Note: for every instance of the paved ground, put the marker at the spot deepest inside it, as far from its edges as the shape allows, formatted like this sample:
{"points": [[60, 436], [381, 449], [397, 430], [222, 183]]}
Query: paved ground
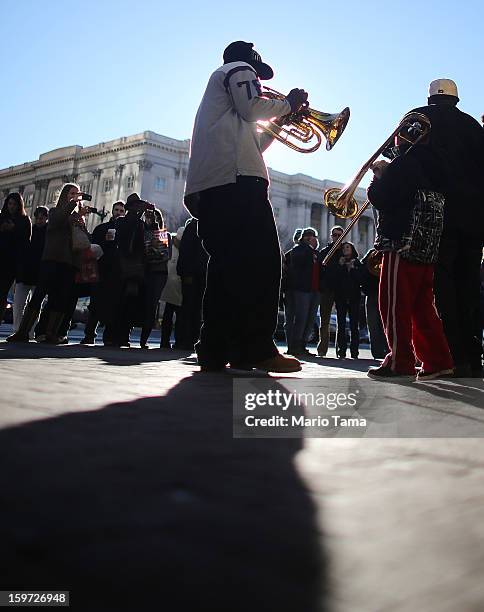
{"points": [[119, 475]]}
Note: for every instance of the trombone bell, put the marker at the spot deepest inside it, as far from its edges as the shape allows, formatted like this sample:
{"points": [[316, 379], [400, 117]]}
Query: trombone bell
{"points": [[340, 207]]}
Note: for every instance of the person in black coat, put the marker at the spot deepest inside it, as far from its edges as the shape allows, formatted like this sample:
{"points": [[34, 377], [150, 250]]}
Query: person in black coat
{"points": [[15, 231], [346, 279], [459, 141], [130, 232], [303, 265], [369, 286], [29, 265], [101, 304], [192, 269]]}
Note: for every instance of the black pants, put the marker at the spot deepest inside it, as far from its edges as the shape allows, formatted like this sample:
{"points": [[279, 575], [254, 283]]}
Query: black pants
{"points": [[237, 228], [7, 276], [57, 281], [457, 284], [193, 288], [154, 284], [346, 306], [167, 324]]}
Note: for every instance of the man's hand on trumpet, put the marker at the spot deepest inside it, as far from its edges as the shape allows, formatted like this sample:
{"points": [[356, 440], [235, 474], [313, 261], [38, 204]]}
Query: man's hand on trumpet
{"points": [[296, 98]]}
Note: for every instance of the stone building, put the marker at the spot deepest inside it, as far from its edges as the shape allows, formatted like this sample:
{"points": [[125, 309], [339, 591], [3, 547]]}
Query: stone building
{"points": [[155, 166]]}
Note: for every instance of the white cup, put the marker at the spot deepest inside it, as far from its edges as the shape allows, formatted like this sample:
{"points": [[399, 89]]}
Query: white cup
{"points": [[111, 234]]}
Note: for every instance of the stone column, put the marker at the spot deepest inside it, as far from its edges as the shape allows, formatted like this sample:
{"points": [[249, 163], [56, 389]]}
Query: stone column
{"points": [[21, 189], [323, 234], [40, 192], [70, 178], [118, 173], [144, 166], [96, 180], [5, 192]]}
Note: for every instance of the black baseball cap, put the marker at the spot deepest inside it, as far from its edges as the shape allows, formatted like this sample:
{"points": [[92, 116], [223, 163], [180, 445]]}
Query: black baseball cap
{"points": [[240, 51]]}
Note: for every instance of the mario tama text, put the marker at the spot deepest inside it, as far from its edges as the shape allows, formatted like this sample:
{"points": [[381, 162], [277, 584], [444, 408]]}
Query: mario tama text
{"points": [[264, 408], [357, 408]]}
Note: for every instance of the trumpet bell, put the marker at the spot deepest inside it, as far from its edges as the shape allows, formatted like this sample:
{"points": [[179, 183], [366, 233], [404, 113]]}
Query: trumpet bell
{"points": [[340, 207], [331, 125]]}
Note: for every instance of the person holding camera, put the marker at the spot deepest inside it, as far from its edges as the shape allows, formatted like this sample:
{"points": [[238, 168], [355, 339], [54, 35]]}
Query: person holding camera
{"points": [[15, 230], [130, 242], [104, 235], [157, 253], [60, 262], [227, 191]]}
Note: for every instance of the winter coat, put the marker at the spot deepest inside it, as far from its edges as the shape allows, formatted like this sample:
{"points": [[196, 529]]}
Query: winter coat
{"points": [[459, 141], [58, 240], [172, 291], [14, 242], [192, 258], [299, 264], [326, 278], [29, 265]]}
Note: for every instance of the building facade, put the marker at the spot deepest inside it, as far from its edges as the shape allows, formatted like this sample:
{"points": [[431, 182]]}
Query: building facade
{"points": [[156, 166]]}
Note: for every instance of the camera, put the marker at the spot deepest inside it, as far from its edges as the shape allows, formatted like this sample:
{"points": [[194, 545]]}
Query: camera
{"points": [[91, 209], [87, 197]]}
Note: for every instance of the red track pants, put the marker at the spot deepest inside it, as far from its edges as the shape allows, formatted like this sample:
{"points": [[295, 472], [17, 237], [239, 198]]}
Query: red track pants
{"points": [[412, 326]]}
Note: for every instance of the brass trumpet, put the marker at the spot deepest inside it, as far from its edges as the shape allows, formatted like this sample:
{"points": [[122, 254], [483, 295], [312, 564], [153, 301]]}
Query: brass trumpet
{"points": [[342, 203], [306, 126]]}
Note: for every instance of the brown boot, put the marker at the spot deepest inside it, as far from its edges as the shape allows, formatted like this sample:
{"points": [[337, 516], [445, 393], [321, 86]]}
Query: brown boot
{"points": [[28, 319], [279, 363]]}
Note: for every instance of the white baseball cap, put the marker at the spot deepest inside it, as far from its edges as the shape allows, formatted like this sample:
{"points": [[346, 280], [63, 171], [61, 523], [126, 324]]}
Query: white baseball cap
{"points": [[445, 87]]}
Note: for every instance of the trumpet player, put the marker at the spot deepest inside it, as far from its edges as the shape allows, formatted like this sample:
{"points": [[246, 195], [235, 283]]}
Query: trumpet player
{"points": [[408, 196], [227, 190]]}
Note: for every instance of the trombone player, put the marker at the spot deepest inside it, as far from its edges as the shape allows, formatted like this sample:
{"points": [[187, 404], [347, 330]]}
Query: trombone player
{"points": [[408, 196], [227, 190]]}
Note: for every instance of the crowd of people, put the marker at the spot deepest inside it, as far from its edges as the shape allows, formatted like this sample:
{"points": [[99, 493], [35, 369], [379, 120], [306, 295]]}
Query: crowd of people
{"points": [[422, 305], [128, 266], [345, 284]]}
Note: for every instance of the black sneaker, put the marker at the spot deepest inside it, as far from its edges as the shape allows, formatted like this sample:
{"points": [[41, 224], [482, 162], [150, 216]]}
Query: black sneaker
{"points": [[386, 373]]}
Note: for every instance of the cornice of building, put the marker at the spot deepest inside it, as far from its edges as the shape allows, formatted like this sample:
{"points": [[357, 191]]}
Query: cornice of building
{"points": [[77, 154]]}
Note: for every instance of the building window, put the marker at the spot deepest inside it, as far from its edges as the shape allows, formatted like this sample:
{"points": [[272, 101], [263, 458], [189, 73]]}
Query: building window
{"points": [[130, 182], [160, 183], [86, 187], [108, 185]]}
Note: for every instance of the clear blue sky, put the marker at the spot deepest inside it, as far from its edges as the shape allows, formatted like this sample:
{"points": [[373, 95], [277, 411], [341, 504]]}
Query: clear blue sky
{"points": [[89, 71]]}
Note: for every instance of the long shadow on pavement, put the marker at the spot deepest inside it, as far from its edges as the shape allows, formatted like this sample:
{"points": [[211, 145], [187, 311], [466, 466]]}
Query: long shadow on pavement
{"points": [[110, 355], [141, 503]]}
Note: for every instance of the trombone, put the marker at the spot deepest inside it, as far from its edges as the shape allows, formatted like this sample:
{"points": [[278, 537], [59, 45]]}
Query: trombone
{"points": [[342, 203], [306, 126]]}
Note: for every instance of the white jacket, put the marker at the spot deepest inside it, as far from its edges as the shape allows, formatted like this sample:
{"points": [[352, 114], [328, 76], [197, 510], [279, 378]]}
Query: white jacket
{"points": [[225, 141]]}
